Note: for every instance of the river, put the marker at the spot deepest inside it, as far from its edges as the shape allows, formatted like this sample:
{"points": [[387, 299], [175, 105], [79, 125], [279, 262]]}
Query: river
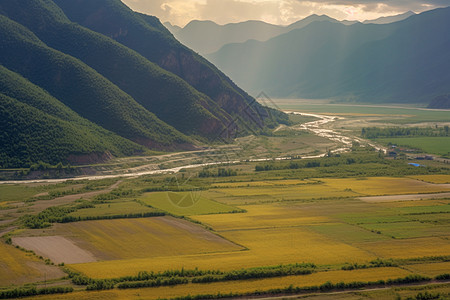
{"points": [[319, 127]]}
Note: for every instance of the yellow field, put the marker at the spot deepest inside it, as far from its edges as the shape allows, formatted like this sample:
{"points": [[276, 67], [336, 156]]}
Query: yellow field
{"points": [[263, 216], [149, 237], [282, 233], [400, 204], [244, 286], [239, 193], [433, 178], [409, 248], [431, 269], [384, 186], [298, 192], [19, 267], [270, 232], [261, 183]]}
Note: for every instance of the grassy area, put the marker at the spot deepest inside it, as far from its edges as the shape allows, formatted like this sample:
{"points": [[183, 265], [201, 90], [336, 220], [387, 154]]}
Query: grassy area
{"points": [[18, 267], [392, 114], [113, 209], [186, 203], [144, 238], [433, 178], [432, 145]]}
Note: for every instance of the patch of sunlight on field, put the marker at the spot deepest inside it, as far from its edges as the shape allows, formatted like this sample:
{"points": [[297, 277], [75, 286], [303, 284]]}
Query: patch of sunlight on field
{"points": [[433, 178], [243, 286], [347, 233], [147, 237], [263, 216], [185, 203], [17, 267], [375, 186], [430, 269], [408, 248], [296, 244]]}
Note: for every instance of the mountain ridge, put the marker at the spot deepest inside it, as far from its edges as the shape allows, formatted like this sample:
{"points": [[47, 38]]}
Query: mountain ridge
{"points": [[330, 60], [86, 85]]}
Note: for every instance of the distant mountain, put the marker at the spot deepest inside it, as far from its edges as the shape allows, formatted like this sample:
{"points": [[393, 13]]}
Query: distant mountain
{"points": [[406, 61], [99, 97], [207, 37], [440, 102], [172, 28], [391, 19]]}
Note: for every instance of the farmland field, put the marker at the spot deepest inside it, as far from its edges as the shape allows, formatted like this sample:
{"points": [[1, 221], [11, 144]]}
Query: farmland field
{"points": [[185, 203], [139, 238], [399, 115], [113, 209], [354, 216], [432, 145], [17, 267]]}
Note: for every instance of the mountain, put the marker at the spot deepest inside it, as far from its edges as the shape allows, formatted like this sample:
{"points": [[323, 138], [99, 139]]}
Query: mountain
{"points": [[194, 33], [406, 61], [100, 98], [391, 19], [38, 127], [148, 37], [172, 28], [81, 88], [169, 97], [440, 102], [207, 36]]}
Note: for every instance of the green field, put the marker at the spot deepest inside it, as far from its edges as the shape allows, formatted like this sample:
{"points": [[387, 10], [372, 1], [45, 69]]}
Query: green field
{"points": [[403, 115], [113, 209], [432, 145], [185, 203]]}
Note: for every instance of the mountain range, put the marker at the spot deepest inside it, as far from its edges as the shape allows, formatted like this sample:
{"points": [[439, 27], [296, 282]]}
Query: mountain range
{"points": [[84, 80], [405, 61], [194, 33]]}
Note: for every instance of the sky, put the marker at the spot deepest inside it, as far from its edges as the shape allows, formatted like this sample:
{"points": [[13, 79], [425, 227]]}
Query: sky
{"points": [[281, 12]]}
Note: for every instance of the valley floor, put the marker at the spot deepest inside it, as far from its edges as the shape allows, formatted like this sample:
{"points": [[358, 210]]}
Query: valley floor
{"points": [[313, 210]]}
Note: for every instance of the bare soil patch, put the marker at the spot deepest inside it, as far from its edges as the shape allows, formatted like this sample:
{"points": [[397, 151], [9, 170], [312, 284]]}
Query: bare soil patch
{"points": [[393, 198], [57, 248]]}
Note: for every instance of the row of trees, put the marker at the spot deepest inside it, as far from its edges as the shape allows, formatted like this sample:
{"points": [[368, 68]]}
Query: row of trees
{"points": [[26, 292], [377, 132], [220, 172]]}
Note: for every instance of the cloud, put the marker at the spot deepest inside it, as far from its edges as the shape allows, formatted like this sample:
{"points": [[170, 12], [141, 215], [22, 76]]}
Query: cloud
{"points": [[180, 12]]}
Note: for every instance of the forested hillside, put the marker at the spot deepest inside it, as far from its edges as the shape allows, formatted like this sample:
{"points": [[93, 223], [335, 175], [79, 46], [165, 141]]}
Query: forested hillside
{"points": [[122, 100]]}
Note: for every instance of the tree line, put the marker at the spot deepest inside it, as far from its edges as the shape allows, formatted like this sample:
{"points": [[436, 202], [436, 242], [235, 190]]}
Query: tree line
{"points": [[378, 132]]}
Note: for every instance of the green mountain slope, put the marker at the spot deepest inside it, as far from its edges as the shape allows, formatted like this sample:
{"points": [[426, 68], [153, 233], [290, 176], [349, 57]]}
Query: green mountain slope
{"points": [[30, 135], [163, 93], [147, 36], [18, 88], [82, 89]]}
